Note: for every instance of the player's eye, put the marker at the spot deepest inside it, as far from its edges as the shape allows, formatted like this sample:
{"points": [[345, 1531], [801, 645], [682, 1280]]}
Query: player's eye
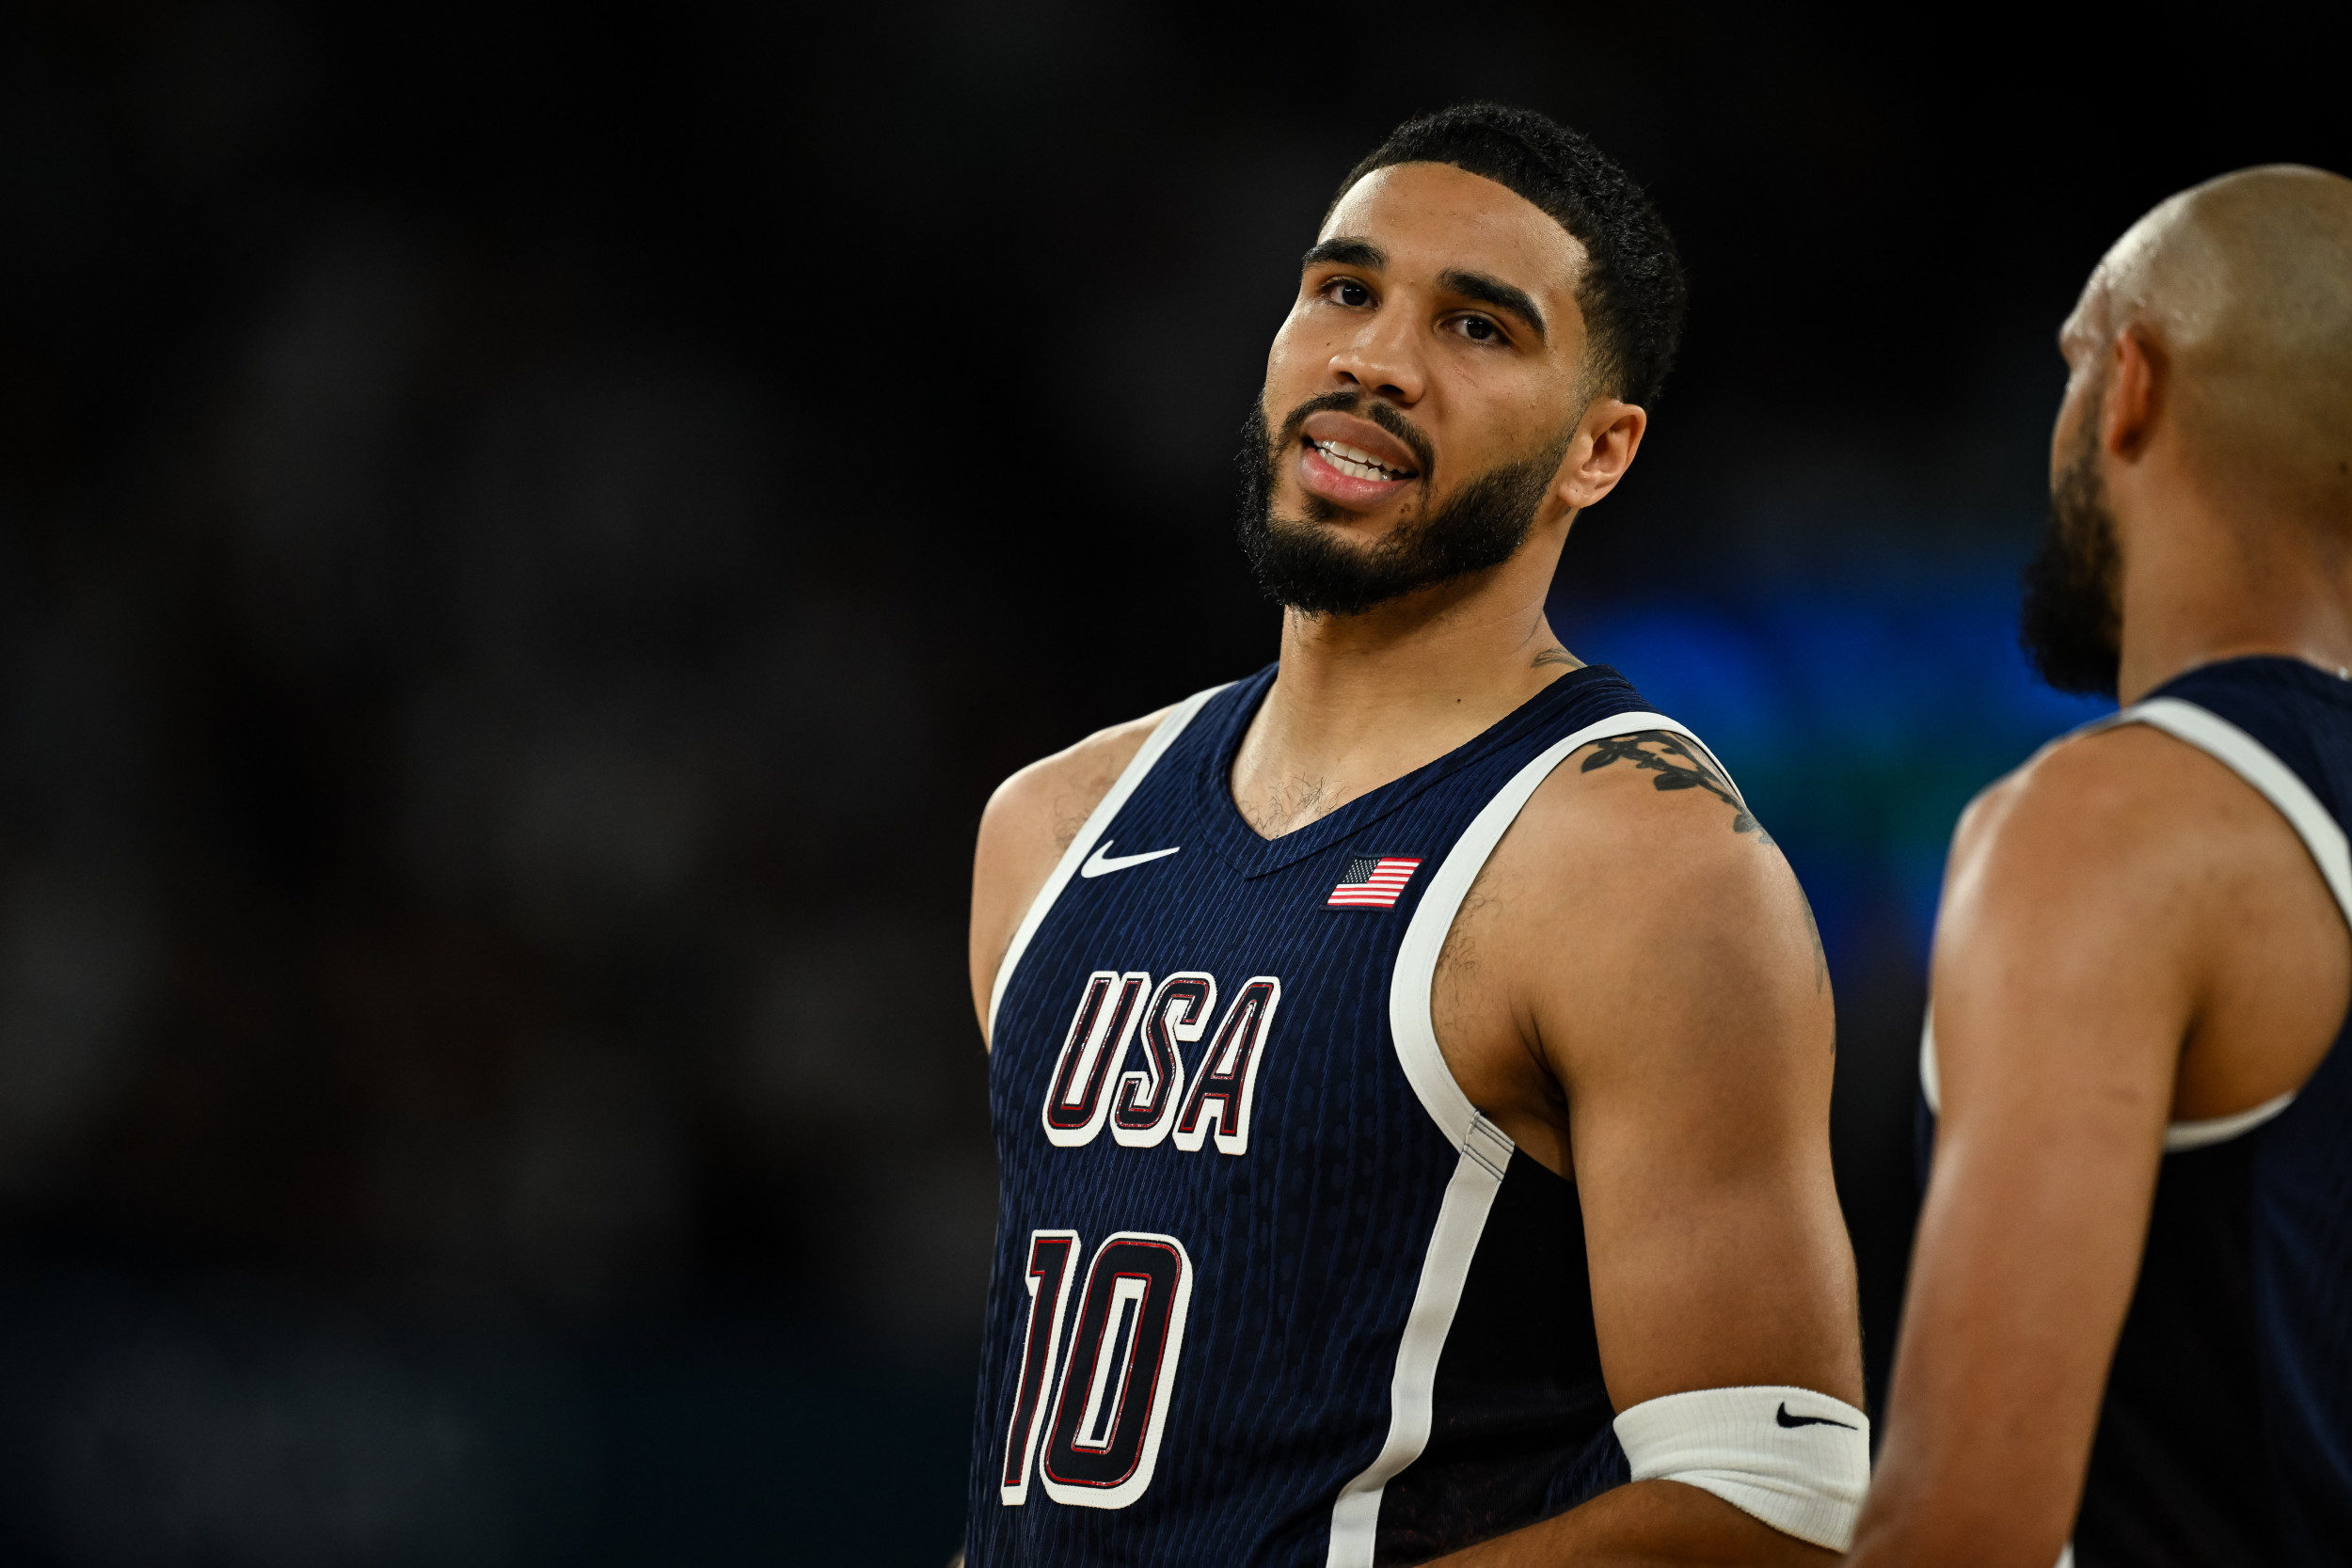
{"points": [[1348, 292], [1478, 329]]}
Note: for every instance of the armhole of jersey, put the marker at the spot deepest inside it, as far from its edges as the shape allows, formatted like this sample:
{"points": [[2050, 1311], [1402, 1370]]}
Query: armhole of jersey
{"points": [[2276, 783], [1155, 745], [1485, 1148], [2323, 838], [1409, 1021]]}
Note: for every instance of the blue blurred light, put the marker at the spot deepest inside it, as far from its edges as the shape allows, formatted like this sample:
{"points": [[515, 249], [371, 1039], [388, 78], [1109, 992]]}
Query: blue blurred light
{"points": [[1858, 716]]}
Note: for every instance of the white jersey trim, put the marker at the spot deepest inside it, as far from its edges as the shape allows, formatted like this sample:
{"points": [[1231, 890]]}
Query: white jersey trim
{"points": [[1485, 1149], [1461, 1220], [2250, 760], [2275, 781], [1417, 955], [1155, 747]]}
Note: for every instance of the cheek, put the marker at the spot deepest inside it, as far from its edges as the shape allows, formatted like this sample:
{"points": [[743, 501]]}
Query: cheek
{"points": [[2066, 431], [1496, 416], [1290, 350]]}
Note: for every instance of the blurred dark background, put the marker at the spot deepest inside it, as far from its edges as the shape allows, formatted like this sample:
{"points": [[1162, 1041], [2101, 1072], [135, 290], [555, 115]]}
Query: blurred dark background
{"points": [[527, 538]]}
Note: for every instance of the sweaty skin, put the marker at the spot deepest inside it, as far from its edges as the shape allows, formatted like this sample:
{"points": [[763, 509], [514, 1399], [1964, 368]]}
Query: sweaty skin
{"points": [[2130, 934], [1633, 990]]}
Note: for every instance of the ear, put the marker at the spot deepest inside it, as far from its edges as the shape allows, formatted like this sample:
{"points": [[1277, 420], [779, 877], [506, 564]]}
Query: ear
{"points": [[1603, 450], [2136, 387]]}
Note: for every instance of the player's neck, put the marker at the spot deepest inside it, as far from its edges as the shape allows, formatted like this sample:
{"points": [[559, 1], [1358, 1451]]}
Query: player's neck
{"points": [[1361, 699], [2205, 580]]}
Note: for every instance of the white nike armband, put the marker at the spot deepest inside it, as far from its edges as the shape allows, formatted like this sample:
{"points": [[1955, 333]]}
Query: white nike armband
{"points": [[1797, 1460]]}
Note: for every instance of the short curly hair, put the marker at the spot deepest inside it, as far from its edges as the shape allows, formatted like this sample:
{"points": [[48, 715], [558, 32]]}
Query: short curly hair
{"points": [[1633, 294]]}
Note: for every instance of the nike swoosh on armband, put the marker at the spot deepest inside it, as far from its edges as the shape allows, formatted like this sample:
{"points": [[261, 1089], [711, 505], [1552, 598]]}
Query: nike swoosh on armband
{"points": [[1787, 1420]]}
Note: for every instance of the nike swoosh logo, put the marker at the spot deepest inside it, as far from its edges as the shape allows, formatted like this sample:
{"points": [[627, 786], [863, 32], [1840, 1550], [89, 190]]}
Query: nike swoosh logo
{"points": [[1787, 1420], [1102, 863]]}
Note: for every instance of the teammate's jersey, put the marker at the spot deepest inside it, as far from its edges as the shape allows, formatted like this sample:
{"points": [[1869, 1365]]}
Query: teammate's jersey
{"points": [[1267, 1289], [2226, 1433]]}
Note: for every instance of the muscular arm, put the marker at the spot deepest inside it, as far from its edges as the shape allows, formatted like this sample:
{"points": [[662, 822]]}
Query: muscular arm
{"points": [[2126, 936], [1028, 822], [1664, 1033]]}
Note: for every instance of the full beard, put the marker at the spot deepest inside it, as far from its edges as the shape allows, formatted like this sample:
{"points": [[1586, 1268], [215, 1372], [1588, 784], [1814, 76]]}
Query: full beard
{"points": [[1301, 562], [2070, 622]]}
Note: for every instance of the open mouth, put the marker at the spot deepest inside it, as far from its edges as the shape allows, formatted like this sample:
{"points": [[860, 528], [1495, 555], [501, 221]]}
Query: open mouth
{"points": [[1356, 462]]}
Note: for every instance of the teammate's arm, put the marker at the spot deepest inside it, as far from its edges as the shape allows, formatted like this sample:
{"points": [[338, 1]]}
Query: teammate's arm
{"points": [[2091, 906], [1670, 984], [1028, 822]]}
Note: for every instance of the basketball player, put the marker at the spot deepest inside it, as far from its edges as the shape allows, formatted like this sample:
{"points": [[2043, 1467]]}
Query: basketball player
{"points": [[1413, 1057], [2131, 1305]]}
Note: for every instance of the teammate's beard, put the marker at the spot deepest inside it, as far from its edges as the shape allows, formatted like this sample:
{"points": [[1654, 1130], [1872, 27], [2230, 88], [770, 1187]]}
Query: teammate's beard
{"points": [[1299, 562], [2071, 621]]}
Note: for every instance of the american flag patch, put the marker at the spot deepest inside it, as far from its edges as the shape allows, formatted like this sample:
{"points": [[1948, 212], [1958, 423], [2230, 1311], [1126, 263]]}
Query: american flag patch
{"points": [[1373, 882]]}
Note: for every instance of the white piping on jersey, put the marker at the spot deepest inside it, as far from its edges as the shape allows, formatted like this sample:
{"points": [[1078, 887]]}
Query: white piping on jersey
{"points": [[1424, 938], [2183, 1135], [2178, 1137], [1153, 748], [2275, 781], [2250, 760], [1485, 1148], [1461, 1220]]}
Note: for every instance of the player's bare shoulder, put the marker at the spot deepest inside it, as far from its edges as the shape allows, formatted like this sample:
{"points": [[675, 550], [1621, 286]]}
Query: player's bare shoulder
{"points": [[1625, 780], [1028, 822], [1636, 879], [1662, 840], [1644, 821], [2131, 830], [2092, 817]]}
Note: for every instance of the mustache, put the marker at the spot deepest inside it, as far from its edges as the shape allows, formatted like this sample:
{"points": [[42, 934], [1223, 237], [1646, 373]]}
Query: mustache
{"points": [[1364, 406]]}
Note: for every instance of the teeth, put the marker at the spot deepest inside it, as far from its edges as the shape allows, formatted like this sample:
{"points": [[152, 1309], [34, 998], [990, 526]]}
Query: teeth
{"points": [[1355, 463]]}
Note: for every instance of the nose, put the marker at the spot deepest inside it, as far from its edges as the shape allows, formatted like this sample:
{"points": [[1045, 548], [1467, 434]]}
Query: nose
{"points": [[1382, 360]]}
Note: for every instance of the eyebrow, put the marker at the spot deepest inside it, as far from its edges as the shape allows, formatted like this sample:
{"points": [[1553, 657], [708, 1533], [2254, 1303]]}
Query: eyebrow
{"points": [[1495, 292], [1345, 253]]}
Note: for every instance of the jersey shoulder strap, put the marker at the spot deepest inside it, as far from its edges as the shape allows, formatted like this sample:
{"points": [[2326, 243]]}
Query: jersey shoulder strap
{"points": [[1155, 747], [2323, 836]]}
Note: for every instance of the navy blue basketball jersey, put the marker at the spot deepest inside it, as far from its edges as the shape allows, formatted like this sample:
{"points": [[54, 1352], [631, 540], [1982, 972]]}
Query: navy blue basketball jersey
{"points": [[1268, 1290], [2225, 1437]]}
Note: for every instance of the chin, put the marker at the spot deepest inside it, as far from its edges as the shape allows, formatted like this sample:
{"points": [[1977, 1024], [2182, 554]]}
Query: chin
{"points": [[1306, 506]]}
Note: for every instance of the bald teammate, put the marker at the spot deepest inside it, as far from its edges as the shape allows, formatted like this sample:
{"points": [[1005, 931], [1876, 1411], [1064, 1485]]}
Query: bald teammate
{"points": [[2131, 1304]]}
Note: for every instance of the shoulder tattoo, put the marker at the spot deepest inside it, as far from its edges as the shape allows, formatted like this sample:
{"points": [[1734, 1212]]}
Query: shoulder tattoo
{"points": [[1678, 767]]}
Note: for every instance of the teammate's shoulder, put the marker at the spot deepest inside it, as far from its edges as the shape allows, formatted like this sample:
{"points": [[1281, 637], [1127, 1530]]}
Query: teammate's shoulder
{"points": [[1056, 792], [2108, 798]]}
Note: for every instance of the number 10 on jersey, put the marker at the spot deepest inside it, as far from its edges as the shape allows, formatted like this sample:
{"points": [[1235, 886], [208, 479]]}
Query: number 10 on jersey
{"points": [[1086, 1412]]}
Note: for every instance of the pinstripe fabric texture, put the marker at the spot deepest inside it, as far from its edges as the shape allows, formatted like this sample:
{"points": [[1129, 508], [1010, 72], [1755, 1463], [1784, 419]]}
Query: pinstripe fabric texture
{"points": [[1307, 1246]]}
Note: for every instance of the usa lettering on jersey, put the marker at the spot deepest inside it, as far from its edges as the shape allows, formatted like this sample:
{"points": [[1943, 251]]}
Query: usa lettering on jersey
{"points": [[1098, 1352], [1121, 1015]]}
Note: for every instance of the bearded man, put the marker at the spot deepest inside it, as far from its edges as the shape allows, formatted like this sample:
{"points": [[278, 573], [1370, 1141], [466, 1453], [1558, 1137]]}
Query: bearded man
{"points": [[2130, 1316], [1411, 1062]]}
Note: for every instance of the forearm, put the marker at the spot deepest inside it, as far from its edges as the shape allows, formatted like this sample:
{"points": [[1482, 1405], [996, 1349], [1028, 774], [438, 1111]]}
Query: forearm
{"points": [[1933, 1537], [1649, 1521]]}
